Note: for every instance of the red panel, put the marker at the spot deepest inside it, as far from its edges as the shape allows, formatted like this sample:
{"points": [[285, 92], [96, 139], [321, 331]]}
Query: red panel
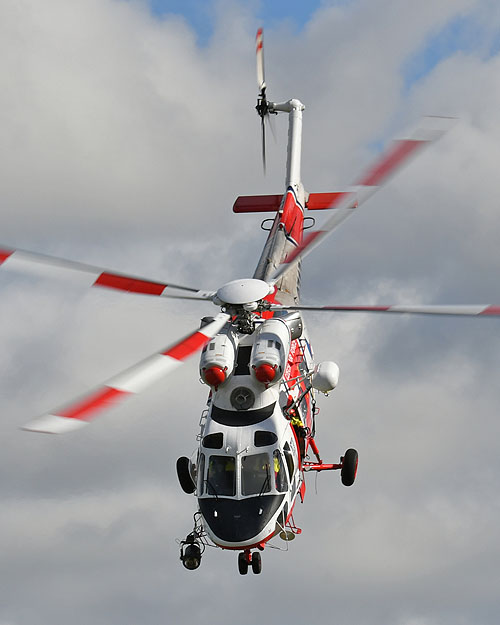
{"points": [[292, 218], [400, 151], [84, 410], [257, 204], [123, 283], [324, 201], [187, 346], [4, 254]]}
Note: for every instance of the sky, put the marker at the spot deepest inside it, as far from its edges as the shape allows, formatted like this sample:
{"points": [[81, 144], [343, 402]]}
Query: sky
{"points": [[127, 129]]}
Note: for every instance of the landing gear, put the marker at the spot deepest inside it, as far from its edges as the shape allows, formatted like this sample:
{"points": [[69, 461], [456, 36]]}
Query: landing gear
{"points": [[245, 559], [256, 563], [349, 467], [242, 563]]}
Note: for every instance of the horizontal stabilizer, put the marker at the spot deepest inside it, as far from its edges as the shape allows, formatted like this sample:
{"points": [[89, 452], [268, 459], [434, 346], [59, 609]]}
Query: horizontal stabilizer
{"points": [[272, 203], [323, 201], [257, 204]]}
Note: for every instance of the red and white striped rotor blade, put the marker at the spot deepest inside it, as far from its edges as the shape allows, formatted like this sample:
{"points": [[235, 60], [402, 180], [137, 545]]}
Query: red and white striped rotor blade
{"points": [[89, 275], [471, 310], [399, 152], [133, 380], [259, 42]]}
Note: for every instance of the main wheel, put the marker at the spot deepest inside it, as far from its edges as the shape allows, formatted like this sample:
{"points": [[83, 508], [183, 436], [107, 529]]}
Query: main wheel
{"points": [[349, 467], [256, 563], [184, 475], [243, 563]]}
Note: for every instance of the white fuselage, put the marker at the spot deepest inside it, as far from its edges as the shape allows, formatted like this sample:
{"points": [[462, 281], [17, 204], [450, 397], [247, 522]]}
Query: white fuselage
{"points": [[248, 471]]}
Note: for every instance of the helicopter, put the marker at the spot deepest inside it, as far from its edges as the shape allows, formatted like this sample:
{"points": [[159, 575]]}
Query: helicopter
{"points": [[257, 433]]}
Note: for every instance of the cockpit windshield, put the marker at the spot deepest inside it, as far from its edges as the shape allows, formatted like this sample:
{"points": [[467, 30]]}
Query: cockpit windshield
{"points": [[221, 476], [255, 474]]}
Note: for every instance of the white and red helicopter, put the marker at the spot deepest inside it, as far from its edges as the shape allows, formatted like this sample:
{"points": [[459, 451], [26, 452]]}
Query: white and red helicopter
{"points": [[257, 433]]}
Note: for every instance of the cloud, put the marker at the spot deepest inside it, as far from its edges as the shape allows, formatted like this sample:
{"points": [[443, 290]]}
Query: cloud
{"points": [[123, 143]]}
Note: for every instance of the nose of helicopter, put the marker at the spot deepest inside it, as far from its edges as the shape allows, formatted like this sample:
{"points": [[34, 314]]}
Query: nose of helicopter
{"points": [[237, 521]]}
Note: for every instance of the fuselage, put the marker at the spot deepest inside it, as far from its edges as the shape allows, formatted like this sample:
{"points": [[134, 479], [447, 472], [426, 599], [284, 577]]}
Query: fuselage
{"points": [[249, 464]]}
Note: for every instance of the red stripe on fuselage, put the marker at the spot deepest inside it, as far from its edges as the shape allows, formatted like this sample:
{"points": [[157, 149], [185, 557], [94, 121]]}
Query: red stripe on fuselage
{"points": [[292, 218], [122, 283], [84, 410]]}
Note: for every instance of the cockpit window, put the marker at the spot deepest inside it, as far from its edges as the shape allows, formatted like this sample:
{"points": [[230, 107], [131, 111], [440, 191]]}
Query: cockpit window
{"points": [[221, 476], [255, 474], [213, 441], [280, 478], [261, 438]]}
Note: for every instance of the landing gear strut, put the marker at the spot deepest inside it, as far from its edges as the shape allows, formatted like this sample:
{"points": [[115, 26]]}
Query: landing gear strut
{"points": [[245, 559]]}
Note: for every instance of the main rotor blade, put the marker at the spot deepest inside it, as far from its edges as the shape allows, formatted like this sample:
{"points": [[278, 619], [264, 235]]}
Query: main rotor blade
{"points": [[79, 412], [259, 40], [455, 310], [430, 129], [89, 275]]}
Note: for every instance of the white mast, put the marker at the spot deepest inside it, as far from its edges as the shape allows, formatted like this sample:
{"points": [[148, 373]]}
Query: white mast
{"points": [[294, 109]]}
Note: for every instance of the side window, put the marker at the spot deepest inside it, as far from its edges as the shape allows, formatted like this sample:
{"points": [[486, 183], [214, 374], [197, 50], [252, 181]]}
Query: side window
{"points": [[289, 460], [262, 438], [280, 478], [213, 441]]}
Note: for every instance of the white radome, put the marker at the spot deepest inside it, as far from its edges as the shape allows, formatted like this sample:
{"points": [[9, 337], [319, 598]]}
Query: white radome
{"points": [[243, 291], [326, 376]]}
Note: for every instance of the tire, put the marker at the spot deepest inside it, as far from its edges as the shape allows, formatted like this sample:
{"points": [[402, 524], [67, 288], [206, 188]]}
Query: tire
{"points": [[242, 563], [349, 467], [185, 479], [256, 563]]}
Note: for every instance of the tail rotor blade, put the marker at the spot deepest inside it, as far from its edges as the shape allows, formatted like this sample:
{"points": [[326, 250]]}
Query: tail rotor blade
{"points": [[262, 103], [261, 82], [263, 125]]}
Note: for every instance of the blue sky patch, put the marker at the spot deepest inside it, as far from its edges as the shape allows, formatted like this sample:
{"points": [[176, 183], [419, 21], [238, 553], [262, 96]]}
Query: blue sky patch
{"points": [[461, 34], [200, 13]]}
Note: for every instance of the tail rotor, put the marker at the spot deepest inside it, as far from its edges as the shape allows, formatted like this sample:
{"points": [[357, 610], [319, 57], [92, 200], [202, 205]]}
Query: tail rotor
{"points": [[262, 107]]}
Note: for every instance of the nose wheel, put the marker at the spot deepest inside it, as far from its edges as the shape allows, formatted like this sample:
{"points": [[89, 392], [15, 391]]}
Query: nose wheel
{"points": [[247, 560]]}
